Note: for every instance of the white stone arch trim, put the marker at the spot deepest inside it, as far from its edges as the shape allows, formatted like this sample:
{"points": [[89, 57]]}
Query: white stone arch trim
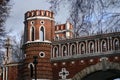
{"points": [[81, 43], [93, 46], [65, 48], [40, 30], [30, 64], [54, 51], [94, 68], [114, 42], [102, 43], [73, 44], [31, 32]]}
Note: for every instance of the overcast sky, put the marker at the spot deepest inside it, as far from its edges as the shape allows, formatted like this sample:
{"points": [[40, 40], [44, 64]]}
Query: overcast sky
{"points": [[16, 19]]}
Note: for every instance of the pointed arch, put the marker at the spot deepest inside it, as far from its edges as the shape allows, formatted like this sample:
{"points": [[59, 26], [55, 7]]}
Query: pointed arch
{"points": [[82, 48], [42, 33], [55, 52], [32, 33], [103, 46], [73, 49], [64, 50], [91, 47], [116, 44]]}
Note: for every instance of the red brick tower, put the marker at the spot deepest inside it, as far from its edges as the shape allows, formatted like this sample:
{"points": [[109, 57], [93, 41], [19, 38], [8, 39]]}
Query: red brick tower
{"points": [[38, 34]]}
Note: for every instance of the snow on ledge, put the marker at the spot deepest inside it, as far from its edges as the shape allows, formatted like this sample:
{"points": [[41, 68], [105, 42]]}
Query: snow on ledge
{"points": [[45, 41]]}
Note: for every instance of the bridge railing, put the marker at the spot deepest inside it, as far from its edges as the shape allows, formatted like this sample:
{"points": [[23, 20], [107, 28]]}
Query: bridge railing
{"points": [[87, 55]]}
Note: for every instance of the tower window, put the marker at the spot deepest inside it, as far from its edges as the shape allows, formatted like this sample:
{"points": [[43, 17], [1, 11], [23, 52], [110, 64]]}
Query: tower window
{"points": [[41, 34], [32, 32]]}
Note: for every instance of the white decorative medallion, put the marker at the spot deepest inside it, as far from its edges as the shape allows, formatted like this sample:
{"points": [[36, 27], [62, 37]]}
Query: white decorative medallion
{"points": [[63, 73]]}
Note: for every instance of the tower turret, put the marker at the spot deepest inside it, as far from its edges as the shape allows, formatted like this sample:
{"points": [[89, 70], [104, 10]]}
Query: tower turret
{"points": [[38, 34]]}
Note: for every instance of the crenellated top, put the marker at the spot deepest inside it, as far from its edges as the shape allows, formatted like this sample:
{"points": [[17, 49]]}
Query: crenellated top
{"points": [[42, 13]]}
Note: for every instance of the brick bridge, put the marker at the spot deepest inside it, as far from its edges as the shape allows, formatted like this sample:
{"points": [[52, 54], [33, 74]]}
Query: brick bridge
{"points": [[76, 58]]}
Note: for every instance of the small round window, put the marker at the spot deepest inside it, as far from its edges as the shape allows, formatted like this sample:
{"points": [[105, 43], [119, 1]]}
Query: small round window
{"points": [[42, 54], [41, 22], [32, 22]]}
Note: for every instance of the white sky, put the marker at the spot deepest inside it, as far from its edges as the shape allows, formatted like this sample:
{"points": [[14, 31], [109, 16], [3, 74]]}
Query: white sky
{"points": [[16, 19]]}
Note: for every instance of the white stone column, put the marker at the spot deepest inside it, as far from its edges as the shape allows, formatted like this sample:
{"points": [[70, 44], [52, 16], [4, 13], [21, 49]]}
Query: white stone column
{"points": [[111, 44], [86, 44], [59, 53], [108, 44], [68, 49], [77, 48], [99, 45], [96, 46]]}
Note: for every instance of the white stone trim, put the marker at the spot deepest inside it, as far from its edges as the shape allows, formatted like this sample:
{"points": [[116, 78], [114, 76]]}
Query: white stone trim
{"points": [[46, 41], [43, 54], [13, 64], [39, 17], [60, 31], [30, 64]]}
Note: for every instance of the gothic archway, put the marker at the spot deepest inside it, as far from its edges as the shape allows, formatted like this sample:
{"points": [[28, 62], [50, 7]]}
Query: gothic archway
{"points": [[110, 74], [95, 68]]}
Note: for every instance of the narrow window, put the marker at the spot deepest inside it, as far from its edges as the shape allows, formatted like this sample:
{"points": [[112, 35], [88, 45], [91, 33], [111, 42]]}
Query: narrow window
{"points": [[32, 33], [42, 34]]}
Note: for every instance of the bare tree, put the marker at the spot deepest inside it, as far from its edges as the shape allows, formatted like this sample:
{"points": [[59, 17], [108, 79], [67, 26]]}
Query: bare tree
{"points": [[91, 16], [17, 53], [4, 13]]}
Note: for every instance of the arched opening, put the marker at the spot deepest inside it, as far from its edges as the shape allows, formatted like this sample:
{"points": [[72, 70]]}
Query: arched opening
{"points": [[99, 71], [82, 48], [41, 34], [91, 47], [73, 50], [104, 46], [116, 44], [111, 74], [64, 51], [55, 52], [32, 34]]}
